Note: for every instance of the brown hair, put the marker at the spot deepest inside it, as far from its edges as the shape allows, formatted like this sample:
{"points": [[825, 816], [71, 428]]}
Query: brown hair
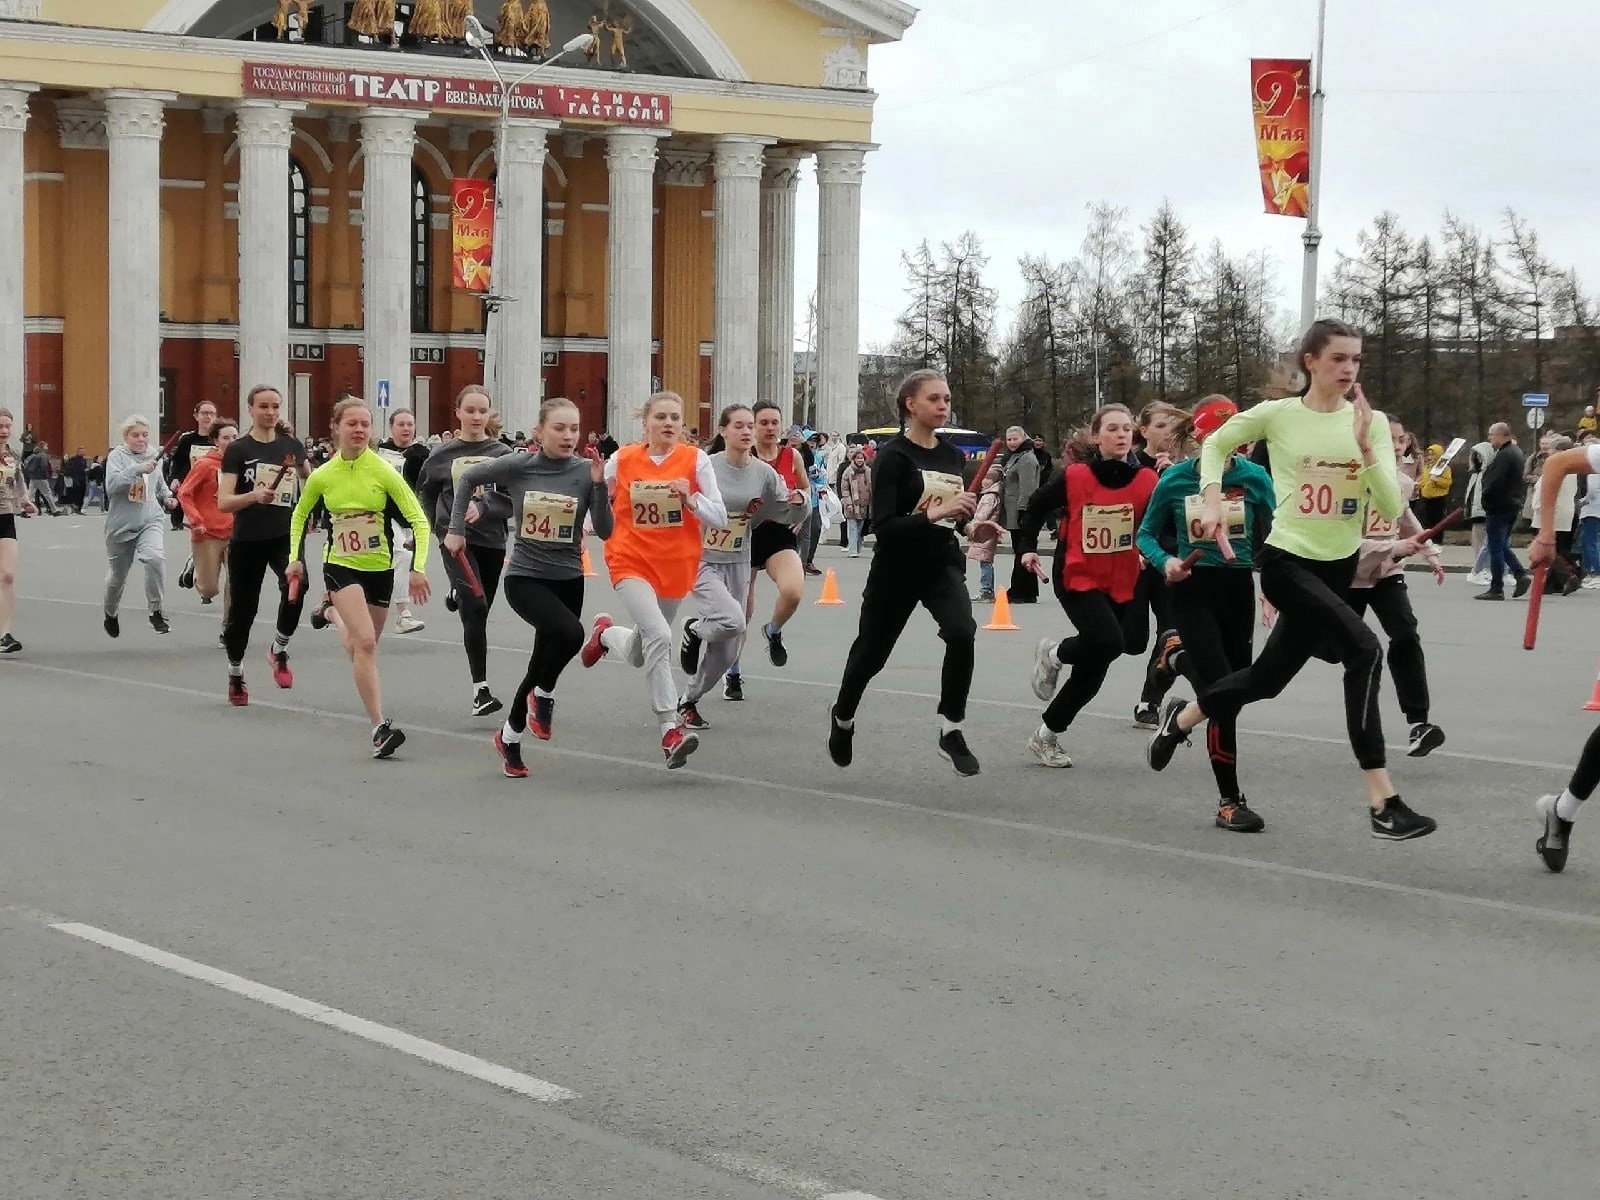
{"points": [[250, 397], [494, 426], [550, 405], [1316, 341], [911, 387], [472, 389], [343, 407], [6, 412], [644, 413], [219, 425], [1083, 438]]}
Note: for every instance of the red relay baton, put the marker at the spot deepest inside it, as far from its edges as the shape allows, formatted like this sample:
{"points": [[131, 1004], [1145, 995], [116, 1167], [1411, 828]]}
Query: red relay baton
{"points": [[1224, 545], [988, 461], [464, 565], [294, 587], [1428, 535], [1530, 631]]}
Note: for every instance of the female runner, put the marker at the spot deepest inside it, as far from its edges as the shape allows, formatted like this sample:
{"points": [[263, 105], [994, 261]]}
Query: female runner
{"points": [[1330, 460], [356, 487], [13, 500], [406, 454], [209, 527], [1213, 603], [916, 487], [553, 491], [1097, 576], [662, 492], [1158, 445], [749, 487], [487, 515], [135, 522]]}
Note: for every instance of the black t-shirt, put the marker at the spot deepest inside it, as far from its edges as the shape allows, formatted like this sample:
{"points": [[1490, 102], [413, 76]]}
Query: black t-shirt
{"points": [[244, 459], [411, 459], [906, 477], [188, 449]]}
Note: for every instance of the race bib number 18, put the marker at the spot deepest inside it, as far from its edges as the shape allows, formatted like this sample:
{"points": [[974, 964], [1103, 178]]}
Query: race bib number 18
{"points": [[356, 533]]}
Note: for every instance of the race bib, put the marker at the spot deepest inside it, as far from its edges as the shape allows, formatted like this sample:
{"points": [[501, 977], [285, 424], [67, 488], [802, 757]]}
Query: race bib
{"points": [[198, 451], [655, 505], [731, 539], [1232, 518], [357, 533], [7, 474], [1379, 526], [1327, 491], [462, 464], [286, 489], [136, 490], [1107, 528], [548, 517], [395, 458], [937, 488]]}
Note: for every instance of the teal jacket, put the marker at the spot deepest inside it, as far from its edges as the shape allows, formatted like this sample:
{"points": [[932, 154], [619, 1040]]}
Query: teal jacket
{"points": [[1176, 501]]}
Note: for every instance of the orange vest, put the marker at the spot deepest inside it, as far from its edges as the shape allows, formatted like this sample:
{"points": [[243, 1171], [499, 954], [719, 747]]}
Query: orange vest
{"points": [[656, 536]]}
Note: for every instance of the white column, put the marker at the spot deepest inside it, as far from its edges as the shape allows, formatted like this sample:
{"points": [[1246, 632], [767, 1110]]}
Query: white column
{"points": [[839, 170], [738, 162], [387, 142], [518, 328], [134, 121], [13, 310], [775, 352], [630, 263], [264, 129]]}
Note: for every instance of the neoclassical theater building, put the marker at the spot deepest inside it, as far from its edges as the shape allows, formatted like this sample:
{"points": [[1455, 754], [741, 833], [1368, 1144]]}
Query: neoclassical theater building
{"points": [[191, 203]]}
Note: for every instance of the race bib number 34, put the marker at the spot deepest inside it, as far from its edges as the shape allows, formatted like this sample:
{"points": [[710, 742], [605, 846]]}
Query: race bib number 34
{"points": [[548, 517], [356, 533], [655, 505], [1107, 528], [1327, 491]]}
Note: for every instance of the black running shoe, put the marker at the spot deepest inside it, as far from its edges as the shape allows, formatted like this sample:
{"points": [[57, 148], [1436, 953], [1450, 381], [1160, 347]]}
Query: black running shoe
{"points": [[841, 741], [158, 622], [1524, 582], [1397, 823], [319, 614], [689, 649], [9, 645], [450, 604], [1236, 816], [1424, 740], [386, 739], [1491, 594], [511, 763], [186, 576], [953, 748], [113, 626], [689, 716], [1167, 737], [733, 686], [484, 703], [1552, 844], [1146, 715], [775, 650]]}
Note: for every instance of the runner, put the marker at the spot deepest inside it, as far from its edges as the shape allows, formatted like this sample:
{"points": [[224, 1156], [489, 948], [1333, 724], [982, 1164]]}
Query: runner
{"points": [[1380, 584], [1328, 456], [1213, 603], [357, 487], [1157, 446], [209, 527], [189, 449], [1097, 575], [1558, 812], [916, 486], [405, 454], [13, 500], [134, 522], [749, 487], [774, 547], [487, 515], [553, 492], [662, 492], [260, 481]]}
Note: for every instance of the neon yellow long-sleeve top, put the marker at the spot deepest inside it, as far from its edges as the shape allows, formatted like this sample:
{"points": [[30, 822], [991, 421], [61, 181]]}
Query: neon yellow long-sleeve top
{"points": [[356, 492], [1320, 480]]}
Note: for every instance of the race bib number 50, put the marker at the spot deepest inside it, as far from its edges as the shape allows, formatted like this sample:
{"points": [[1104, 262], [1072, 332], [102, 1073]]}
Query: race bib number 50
{"points": [[548, 517], [1107, 528], [1327, 491], [655, 505]]}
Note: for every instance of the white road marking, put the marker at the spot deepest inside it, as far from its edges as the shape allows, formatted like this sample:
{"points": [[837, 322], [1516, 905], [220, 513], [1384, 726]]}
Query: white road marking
{"points": [[311, 1010], [760, 1171], [755, 787]]}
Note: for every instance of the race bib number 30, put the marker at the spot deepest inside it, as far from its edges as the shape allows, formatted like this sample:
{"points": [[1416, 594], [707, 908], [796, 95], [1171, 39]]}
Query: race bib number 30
{"points": [[655, 505], [937, 488], [356, 533], [1107, 528], [548, 517], [731, 539], [1232, 517], [1327, 491]]}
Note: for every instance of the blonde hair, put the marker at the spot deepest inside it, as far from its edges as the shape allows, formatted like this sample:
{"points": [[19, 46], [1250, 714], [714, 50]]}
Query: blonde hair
{"points": [[131, 422], [343, 407], [494, 426], [6, 412], [643, 414], [472, 389], [550, 405]]}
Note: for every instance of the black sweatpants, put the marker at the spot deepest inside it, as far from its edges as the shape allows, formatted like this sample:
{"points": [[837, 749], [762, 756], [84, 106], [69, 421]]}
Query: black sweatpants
{"points": [[1586, 775], [487, 562], [1106, 631], [894, 589], [248, 563], [1313, 609], [554, 607], [1407, 667], [1155, 585], [1214, 612], [1024, 587]]}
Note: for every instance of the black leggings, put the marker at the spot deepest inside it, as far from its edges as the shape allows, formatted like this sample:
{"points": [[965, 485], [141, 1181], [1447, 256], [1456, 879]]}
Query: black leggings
{"points": [[1106, 631], [1155, 585], [1407, 666], [1024, 587], [247, 571], [893, 591], [1586, 775], [554, 607], [474, 612], [1313, 613], [1214, 611]]}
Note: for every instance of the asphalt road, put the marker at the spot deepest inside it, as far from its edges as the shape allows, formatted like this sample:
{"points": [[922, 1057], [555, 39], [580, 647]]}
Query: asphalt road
{"points": [[762, 976]]}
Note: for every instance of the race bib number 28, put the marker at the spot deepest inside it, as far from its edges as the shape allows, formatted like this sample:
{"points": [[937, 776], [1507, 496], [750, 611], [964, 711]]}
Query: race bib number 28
{"points": [[655, 505]]}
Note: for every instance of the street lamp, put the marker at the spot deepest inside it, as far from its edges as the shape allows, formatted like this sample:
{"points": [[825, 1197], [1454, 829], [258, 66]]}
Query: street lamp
{"points": [[478, 40]]}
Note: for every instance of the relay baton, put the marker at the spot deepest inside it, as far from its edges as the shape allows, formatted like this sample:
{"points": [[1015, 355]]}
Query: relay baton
{"points": [[1223, 544], [1194, 557], [1429, 535], [468, 575], [983, 468], [1530, 631], [294, 587]]}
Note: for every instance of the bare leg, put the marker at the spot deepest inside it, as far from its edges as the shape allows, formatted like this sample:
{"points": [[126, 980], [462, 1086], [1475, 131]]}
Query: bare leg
{"points": [[8, 583], [785, 570], [353, 617]]}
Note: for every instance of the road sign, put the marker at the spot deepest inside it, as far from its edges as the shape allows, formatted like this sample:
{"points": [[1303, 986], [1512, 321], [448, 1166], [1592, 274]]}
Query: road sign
{"points": [[1536, 418], [1535, 400], [383, 393]]}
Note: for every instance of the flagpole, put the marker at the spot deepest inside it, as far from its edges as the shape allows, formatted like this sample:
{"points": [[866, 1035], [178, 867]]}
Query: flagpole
{"points": [[1313, 234]]}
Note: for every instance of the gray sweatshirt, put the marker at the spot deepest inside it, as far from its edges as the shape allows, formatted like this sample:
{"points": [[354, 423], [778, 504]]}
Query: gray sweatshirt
{"points": [[13, 488], [752, 493], [550, 497], [135, 499]]}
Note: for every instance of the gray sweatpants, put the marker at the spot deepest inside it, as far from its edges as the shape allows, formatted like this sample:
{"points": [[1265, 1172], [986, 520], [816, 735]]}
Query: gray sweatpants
{"points": [[718, 599], [148, 546], [648, 644]]}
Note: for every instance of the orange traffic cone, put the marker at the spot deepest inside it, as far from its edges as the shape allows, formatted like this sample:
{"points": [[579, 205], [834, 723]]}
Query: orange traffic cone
{"points": [[1594, 700], [830, 589], [1000, 619], [588, 567]]}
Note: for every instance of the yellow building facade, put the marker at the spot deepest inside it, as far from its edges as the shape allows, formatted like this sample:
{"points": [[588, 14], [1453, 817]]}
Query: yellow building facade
{"points": [[197, 196]]}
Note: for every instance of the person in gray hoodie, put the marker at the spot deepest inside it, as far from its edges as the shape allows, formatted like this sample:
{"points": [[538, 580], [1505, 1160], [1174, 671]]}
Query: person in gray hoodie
{"points": [[138, 497], [1476, 517]]}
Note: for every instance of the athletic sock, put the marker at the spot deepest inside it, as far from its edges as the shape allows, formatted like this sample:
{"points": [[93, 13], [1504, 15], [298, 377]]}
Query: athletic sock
{"points": [[280, 644], [947, 727], [667, 727], [1567, 805], [843, 724], [1045, 734], [510, 735], [236, 670], [543, 695]]}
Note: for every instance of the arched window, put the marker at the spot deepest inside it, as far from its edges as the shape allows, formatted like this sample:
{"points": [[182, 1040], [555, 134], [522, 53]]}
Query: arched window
{"points": [[421, 255], [299, 247]]}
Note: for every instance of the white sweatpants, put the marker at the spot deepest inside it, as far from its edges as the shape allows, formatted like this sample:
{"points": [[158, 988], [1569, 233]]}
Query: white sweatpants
{"points": [[402, 573], [648, 644], [147, 547], [718, 599]]}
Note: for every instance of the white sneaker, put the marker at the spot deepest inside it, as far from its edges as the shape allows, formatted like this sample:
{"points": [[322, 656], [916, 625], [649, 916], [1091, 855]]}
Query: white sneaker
{"points": [[1478, 578], [409, 624], [1046, 670], [1048, 751], [1591, 583]]}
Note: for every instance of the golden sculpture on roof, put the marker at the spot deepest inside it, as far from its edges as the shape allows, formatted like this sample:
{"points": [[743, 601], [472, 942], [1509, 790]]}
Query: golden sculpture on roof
{"points": [[373, 20], [536, 29], [281, 21]]}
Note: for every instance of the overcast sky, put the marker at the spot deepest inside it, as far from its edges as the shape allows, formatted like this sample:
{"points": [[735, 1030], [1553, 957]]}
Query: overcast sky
{"points": [[1010, 128]]}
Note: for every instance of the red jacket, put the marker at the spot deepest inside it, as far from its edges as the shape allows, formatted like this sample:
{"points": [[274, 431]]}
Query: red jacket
{"points": [[198, 495]]}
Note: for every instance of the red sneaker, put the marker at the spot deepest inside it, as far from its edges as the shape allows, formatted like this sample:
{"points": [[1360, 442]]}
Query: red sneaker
{"points": [[237, 696], [594, 649], [510, 757], [677, 745], [281, 675], [541, 715]]}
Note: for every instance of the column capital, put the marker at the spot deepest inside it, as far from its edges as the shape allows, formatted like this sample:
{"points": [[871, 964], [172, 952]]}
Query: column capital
{"points": [[14, 105], [781, 171], [842, 163], [81, 125], [136, 114], [527, 141], [265, 122], [739, 157], [632, 149], [684, 166], [384, 131]]}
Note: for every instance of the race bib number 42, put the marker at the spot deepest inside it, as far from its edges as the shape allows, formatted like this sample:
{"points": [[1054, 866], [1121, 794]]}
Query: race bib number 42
{"points": [[655, 505], [284, 481], [1107, 528], [731, 539], [136, 491], [356, 533], [1327, 491], [548, 517], [937, 487]]}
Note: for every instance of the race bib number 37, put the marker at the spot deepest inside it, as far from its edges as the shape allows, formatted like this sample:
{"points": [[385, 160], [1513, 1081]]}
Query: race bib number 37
{"points": [[1107, 528], [731, 539], [548, 517], [1327, 491], [655, 505]]}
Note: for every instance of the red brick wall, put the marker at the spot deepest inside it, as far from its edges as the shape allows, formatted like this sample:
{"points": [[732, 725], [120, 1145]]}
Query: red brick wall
{"points": [[44, 390]]}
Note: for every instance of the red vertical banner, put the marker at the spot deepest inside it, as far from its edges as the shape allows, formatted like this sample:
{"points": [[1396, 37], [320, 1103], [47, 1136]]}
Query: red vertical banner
{"points": [[1280, 90], [471, 233]]}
